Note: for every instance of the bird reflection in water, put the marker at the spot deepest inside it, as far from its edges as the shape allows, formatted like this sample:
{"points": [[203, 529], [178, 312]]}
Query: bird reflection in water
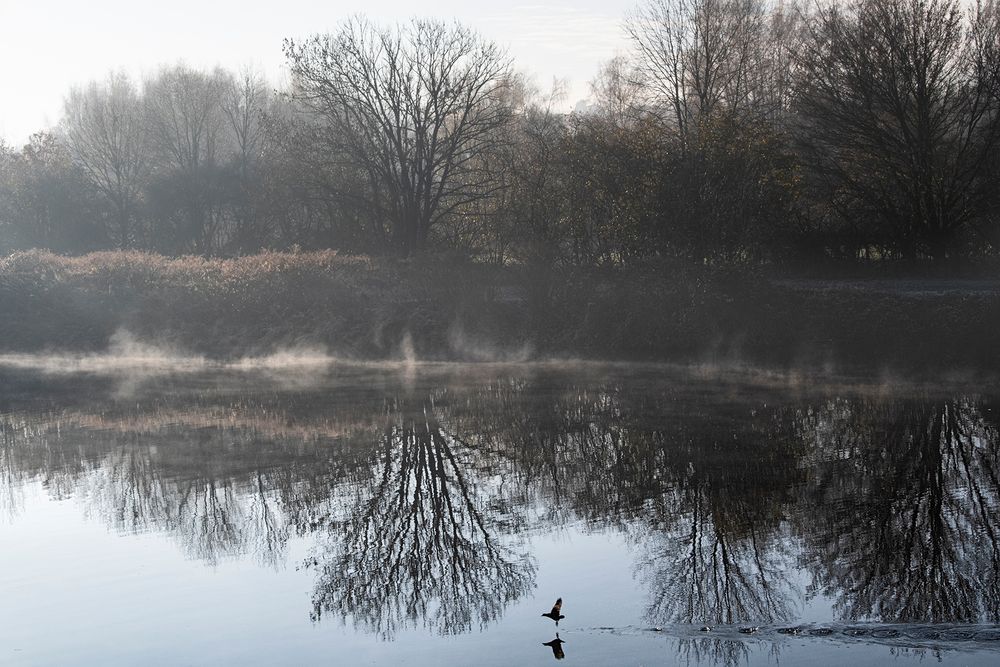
{"points": [[556, 646]]}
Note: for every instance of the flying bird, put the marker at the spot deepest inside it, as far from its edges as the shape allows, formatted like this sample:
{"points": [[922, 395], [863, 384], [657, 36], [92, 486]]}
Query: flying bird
{"points": [[554, 614], [556, 646]]}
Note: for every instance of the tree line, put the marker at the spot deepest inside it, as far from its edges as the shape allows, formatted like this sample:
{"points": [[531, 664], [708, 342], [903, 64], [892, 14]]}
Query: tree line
{"points": [[735, 131]]}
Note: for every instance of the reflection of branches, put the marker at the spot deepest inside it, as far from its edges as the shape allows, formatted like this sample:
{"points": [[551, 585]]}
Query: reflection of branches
{"points": [[11, 478], [705, 499], [211, 517], [717, 552], [908, 504], [713, 651], [267, 520], [217, 499], [424, 516], [701, 570], [580, 451], [424, 543]]}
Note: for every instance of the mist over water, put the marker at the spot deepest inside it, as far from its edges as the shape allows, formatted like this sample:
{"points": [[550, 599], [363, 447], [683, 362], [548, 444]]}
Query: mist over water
{"points": [[133, 359], [127, 353], [356, 366]]}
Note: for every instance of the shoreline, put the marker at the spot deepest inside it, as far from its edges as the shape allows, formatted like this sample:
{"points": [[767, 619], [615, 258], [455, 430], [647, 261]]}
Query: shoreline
{"points": [[367, 309]]}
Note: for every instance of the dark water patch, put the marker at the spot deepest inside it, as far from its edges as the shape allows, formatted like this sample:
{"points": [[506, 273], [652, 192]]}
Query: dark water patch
{"points": [[942, 636], [886, 633]]}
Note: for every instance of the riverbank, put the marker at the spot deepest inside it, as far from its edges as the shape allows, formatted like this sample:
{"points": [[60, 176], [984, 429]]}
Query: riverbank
{"points": [[440, 308]]}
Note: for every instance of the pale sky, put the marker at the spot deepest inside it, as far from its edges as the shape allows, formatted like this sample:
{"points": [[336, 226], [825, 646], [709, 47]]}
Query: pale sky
{"points": [[47, 46]]}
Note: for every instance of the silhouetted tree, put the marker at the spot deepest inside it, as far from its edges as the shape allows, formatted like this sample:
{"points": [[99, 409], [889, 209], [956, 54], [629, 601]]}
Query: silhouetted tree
{"points": [[717, 74], [410, 109], [703, 58], [899, 123]]}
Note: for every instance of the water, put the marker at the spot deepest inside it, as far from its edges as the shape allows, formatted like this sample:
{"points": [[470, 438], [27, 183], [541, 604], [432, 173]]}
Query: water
{"points": [[422, 513]]}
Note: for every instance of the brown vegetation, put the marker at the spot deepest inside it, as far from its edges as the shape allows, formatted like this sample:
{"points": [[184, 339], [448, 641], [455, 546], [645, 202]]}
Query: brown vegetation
{"points": [[374, 308]]}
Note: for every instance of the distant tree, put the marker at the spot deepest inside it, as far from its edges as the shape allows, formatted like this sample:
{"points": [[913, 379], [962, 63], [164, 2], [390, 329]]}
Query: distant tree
{"points": [[986, 47], [702, 57], [103, 124], [534, 178], [316, 197], [730, 199], [617, 91], [409, 109], [245, 104], [900, 119], [613, 177], [46, 201], [7, 158], [186, 125], [718, 74]]}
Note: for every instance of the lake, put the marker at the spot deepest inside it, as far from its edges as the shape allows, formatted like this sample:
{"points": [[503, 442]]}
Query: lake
{"points": [[303, 510]]}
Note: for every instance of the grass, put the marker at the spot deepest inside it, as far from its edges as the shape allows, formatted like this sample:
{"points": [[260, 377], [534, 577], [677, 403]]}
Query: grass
{"points": [[365, 307]]}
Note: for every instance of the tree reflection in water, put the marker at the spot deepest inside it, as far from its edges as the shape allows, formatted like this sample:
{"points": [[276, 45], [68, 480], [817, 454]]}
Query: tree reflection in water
{"points": [[713, 651], [716, 547], [702, 488], [220, 489], [421, 506], [906, 500], [426, 539], [12, 478]]}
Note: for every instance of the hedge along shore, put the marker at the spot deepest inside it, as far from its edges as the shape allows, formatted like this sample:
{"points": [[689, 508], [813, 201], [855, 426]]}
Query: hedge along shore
{"points": [[443, 308]]}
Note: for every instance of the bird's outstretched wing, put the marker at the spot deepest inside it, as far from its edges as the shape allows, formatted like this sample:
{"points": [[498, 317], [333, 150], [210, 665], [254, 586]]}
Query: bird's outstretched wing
{"points": [[556, 607]]}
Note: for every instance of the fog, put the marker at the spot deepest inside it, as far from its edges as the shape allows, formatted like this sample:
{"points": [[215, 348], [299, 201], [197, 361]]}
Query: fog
{"points": [[408, 339]]}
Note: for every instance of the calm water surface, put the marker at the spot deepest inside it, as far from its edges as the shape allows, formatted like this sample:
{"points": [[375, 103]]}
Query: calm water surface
{"points": [[427, 514]]}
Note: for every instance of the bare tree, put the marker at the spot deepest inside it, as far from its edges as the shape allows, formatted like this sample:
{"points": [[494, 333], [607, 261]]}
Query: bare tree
{"points": [[617, 91], [901, 122], [245, 104], [104, 127], [184, 114], [700, 56], [410, 108], [185, 122]]}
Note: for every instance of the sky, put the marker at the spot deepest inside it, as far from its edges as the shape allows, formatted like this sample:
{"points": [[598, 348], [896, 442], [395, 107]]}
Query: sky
{"points": [[48, 46]]}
